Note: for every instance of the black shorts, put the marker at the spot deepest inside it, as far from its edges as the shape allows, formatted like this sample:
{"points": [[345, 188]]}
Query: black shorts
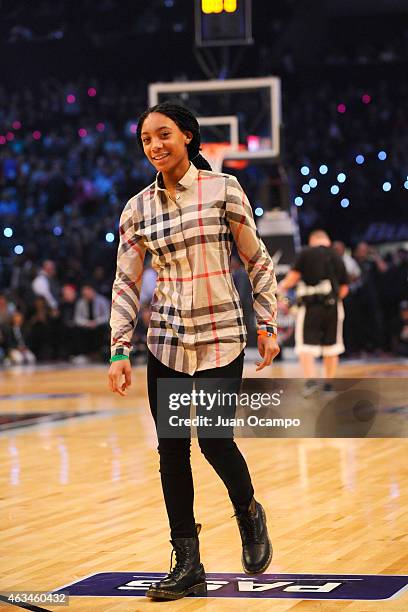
{"points": [[319, 329]]}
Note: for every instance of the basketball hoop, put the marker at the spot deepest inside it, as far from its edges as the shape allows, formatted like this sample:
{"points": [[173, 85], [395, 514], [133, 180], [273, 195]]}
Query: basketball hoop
{"points": [[216, 152]]}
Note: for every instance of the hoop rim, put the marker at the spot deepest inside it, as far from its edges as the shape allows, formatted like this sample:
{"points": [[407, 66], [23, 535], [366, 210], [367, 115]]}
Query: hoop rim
{"points": [[216, 152]]}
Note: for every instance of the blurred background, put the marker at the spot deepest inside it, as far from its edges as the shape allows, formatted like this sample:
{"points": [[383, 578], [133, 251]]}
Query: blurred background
{"points": [[75, 79]]}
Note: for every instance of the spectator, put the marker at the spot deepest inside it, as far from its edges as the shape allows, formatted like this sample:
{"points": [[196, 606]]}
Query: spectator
{"points": [[350, 302], [365, 316], [45, 285], [100, 280], [400, 331], [69, 333], [17, 350], [92, 312], [6, 309], [352, 267], [42, 336]]}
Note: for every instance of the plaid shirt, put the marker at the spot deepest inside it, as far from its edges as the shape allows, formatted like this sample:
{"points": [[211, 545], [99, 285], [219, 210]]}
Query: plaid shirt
{"points": [[197, 321]]}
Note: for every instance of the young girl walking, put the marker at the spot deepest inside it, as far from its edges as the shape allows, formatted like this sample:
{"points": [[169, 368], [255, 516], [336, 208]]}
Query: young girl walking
{"points": [[187, 219]]}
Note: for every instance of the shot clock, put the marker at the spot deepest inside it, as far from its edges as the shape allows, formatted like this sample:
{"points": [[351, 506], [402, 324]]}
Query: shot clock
{"points": [[223, 22]]}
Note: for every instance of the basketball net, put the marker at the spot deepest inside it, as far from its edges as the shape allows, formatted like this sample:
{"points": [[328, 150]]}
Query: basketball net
{"points": [[216, 152]]}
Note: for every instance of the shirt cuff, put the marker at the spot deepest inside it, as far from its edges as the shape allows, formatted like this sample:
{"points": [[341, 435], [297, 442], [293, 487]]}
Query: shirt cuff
{"points": [[267, 327], [120, 350]]}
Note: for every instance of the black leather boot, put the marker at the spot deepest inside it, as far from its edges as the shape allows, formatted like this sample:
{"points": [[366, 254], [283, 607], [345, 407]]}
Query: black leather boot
{"points": [[187, 577], [256, 546]]}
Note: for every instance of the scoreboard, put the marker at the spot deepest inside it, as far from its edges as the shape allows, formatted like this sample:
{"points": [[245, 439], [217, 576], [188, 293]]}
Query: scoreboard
{"points": [[223, 22], [218, 6]]}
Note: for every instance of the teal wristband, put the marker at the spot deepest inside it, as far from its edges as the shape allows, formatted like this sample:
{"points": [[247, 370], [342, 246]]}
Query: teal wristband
{"points": [[118, 358]]}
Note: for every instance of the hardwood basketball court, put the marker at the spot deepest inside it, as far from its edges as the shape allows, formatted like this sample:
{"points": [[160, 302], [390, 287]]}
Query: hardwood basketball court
{"points": [[82, 495]]}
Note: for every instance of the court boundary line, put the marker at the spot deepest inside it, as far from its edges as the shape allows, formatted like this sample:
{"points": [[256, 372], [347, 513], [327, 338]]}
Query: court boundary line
{"points": [[63, 423]]}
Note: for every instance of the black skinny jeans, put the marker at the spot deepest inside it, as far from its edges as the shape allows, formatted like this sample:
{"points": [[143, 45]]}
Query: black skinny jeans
{"points": [[175, 467]]}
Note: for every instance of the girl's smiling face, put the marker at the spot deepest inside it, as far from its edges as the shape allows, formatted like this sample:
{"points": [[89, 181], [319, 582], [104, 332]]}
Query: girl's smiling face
{"points": [[164, 144]]}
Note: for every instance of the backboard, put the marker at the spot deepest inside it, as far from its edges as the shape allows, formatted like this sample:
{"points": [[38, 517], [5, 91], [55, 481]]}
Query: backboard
{"points": [[253, 106]]}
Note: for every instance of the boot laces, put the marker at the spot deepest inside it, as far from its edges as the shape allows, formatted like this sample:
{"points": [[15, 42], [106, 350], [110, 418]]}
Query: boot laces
{"points": [[248, 527], [181, 561]]}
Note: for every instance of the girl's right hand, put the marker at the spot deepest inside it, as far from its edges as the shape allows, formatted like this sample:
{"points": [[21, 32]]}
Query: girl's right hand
{"points": [[120, 376]]}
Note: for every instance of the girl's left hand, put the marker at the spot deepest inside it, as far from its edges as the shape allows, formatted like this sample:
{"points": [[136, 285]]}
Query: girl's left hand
{"points": [[268, 348]]}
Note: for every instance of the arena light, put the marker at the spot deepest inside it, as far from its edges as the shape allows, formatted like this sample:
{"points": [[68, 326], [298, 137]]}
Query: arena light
{"points": [[133, 128], [82, 132], [16, 125], [71, 99], [305, 170], [57, 231], [360, 159], [259, 211], [341, 177], [19, 249], [386, 186], [406, 184], [313, 183], [8, 232], [382, 155], [9, 136], [341, 108], [334, 189], [366, 99], [253, 142], [2, 140], [91, 92], [109, 237], [345, 203], [100, 127], [36, 134], [323, 169], [306, 188], [299, 200]]}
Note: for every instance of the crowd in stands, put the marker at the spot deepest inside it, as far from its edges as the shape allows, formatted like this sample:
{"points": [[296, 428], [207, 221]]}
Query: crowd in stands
{"points": [[377, 303], [44, 321], [336, 139], [69, 162], [45, 317]]}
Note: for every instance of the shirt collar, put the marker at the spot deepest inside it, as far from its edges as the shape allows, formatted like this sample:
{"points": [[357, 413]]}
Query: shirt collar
{"points": [[186, 181], [190, 176]]}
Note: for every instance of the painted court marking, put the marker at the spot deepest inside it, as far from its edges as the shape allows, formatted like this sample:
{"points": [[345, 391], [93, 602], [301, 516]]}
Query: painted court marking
{"points": [[364, 587]]}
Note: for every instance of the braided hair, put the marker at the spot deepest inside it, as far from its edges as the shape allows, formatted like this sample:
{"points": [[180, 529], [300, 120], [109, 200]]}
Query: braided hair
{"points": [[186, 121]]}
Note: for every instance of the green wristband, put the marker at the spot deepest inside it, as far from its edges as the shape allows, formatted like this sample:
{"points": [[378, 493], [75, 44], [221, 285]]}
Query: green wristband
{"points": [[118, 358]]}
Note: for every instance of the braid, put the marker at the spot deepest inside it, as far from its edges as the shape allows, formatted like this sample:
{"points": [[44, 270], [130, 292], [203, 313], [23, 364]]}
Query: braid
{"points": [[186, 121], [200, 162]]}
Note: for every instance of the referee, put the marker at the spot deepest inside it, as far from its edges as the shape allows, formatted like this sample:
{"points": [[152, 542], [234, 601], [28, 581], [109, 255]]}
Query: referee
{"points": [[321, 280]]}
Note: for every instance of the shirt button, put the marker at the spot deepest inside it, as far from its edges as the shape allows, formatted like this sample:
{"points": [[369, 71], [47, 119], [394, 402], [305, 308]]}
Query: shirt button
{"points": [[177, 197]]}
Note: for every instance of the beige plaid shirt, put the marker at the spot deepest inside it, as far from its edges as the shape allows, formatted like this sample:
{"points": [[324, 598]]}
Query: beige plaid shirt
{"points": [[197, 321]]}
